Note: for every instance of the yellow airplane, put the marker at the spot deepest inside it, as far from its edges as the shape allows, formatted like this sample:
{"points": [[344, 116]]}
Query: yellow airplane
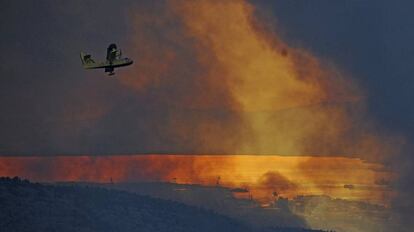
{"points": [[113, 60]]}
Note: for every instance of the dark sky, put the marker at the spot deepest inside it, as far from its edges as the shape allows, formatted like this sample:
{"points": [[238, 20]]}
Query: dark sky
{"points": [[43, 87], [50, 105]]}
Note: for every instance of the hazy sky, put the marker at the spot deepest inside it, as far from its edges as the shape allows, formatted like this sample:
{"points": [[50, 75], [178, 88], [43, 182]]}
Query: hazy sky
{"points": [[370, 39], [50, 105]]}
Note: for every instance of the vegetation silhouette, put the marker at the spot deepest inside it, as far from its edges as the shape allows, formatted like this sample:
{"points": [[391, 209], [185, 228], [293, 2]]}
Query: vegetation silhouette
{"points": [[27, 206]]}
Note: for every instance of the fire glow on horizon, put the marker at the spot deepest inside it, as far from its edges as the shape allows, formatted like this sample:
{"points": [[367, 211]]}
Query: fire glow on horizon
{"points": [[262, 175]]}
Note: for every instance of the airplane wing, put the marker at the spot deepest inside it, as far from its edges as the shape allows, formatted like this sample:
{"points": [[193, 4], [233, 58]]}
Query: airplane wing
{"points": [[121, 62], [89, 63], [96, 65]]}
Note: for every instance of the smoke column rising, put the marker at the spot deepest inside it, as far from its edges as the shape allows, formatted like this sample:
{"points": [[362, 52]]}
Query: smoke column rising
{"points": [[223, 83]]}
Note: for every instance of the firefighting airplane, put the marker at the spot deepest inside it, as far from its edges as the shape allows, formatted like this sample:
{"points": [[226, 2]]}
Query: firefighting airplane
{"points": [[113, 60]]}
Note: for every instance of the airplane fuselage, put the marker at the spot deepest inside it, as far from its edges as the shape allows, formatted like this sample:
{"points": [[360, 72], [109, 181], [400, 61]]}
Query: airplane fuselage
{"points": [[113, 60]]}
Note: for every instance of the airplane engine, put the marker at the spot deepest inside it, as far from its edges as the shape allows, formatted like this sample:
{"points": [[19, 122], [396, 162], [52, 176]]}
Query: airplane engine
{"points": [[111, 52]]}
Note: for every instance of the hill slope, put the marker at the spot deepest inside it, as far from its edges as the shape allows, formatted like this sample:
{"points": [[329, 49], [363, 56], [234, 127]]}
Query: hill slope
{"points": [[26, 206]]}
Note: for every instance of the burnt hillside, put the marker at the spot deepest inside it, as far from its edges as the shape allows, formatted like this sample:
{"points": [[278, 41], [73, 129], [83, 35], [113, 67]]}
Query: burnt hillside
{"points": [[26, 206]]}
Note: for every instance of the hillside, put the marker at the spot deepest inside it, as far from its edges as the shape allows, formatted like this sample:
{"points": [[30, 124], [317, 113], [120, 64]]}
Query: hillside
{"points": [[29, 206], [216, 198]]}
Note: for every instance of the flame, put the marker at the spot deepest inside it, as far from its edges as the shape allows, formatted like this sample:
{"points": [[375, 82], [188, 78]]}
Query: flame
{"points": [[261, 175]]}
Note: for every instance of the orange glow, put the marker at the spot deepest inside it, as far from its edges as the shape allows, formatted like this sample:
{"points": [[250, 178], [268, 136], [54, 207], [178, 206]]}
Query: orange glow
{"points": [[262, 175], [259, 76], [216, 56]]}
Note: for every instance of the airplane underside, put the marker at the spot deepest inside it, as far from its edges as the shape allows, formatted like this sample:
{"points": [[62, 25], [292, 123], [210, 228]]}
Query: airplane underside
{"points": [[110, 70]]}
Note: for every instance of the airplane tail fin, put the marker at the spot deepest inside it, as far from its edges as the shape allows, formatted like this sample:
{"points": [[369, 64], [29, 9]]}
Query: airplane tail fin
{"points": [[86, 59]]}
